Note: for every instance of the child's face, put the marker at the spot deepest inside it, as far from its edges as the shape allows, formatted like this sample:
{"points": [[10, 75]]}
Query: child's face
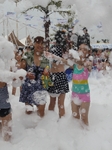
{"points": [[17, 56], [39, 47], [84, 49]]}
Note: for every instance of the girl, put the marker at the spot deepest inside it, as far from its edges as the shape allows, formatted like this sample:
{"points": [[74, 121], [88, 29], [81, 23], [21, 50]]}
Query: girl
{"points": [[33, 91], [60, 84], [80, 99]]}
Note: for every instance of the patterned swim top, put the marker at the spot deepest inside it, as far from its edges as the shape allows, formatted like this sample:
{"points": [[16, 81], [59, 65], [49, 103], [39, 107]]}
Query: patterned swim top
{"points": [[29, 57], [80, 80]]}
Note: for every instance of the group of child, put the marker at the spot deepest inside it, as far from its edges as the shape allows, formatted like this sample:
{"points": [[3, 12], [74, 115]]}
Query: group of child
{"points": [[32, 91], [101, 60]]}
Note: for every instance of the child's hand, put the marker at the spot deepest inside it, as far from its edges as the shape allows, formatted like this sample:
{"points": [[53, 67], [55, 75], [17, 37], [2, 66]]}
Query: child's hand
{"points": [[30, 75], [46, 70]]}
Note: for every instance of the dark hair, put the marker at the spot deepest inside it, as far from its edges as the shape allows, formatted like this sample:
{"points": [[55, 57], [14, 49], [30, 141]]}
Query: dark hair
{"points": [[39, 39], [27, 47], [30, 47], [103, 60], [20, 49], [85, 29]]}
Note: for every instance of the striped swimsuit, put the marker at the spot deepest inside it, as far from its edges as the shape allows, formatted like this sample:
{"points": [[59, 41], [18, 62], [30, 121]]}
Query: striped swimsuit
{"points": [[80, 87]]}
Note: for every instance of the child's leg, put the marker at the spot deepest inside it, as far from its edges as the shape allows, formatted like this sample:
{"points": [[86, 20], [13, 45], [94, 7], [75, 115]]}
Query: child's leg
{"points": [[6, 127], [61, 107], [41, 110], [84, 112], [13, 90], [29, 108], [75, 110], [52, 103]]}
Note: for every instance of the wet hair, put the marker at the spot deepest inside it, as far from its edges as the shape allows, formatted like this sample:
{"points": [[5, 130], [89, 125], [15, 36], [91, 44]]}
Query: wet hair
{"points": [[39, 39]]}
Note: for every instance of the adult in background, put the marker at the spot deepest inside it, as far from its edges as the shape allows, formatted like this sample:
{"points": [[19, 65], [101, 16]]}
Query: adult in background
{"points": [[85, 38]]}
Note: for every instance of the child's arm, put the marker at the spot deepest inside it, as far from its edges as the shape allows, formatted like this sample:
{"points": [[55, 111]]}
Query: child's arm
{"points": [[71, 61], [89, 66]]}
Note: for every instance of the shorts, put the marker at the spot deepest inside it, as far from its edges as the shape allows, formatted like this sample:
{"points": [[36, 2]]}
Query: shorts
{"points": [[5, 112], [54, 95]]}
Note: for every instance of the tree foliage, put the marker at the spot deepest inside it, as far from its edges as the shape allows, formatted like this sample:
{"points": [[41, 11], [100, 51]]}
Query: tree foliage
{"points": [[47, 12], [45, 9]]}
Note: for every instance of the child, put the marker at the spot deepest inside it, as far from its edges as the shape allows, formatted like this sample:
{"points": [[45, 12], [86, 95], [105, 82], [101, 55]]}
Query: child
{"points": [[6, 54], [80, 99], [33, 90], [60, 84], [5, 112], [80, 88], [15, 84]]}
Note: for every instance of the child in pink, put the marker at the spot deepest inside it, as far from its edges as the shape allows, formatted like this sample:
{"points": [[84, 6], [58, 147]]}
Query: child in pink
{"points": [[80, 89]]}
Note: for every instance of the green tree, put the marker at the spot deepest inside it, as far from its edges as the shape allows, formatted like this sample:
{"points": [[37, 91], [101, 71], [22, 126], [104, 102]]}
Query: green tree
{"points": [[69, 25], [47, 12]]}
